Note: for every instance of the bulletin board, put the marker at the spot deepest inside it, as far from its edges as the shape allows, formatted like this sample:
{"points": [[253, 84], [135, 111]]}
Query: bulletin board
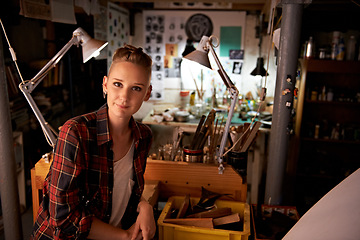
{"points": [[118, 27], [165, 35]]}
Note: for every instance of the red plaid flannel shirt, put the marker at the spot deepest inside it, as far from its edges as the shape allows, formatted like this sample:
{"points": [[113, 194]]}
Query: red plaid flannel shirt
{"points": [[80, 181]]}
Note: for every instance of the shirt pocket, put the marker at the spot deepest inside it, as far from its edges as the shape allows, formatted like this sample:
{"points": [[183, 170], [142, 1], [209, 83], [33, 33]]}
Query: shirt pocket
{"points": [[130, 186]]}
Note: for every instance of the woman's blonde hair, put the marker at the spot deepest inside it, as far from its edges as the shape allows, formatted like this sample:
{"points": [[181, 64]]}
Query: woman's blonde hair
{"points": [[129, 53]]}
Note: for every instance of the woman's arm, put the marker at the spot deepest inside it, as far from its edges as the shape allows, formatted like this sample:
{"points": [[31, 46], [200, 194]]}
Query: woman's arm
{"points": [[145, 223], [104, 231]]}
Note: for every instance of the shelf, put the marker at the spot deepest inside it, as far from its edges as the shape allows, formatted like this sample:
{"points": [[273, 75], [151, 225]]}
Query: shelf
{"points": [[317, 176], [331, 141], [322, 163], [332, 103], [331, 66]]}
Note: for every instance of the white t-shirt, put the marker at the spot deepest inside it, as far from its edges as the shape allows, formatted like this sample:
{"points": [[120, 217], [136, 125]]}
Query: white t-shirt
{"points": [[123, 184]]}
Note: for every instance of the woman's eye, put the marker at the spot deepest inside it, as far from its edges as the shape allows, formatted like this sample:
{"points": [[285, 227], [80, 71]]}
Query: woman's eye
{"points": [[137, 89], [117, 84]]}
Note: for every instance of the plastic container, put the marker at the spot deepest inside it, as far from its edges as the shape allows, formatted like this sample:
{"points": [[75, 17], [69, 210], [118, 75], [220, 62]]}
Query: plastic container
{"points": [[350, 49], [168, 231], [184, 99]]}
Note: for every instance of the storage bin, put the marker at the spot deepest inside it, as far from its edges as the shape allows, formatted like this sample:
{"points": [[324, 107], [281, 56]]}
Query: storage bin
{"points": [[168, 231]]}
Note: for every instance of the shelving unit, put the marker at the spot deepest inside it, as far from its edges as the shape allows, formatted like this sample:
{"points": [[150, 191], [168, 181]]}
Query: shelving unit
{"points": [[327, 131]]}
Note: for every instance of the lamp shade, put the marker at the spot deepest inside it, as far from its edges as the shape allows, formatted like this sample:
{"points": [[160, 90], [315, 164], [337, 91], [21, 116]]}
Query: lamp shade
{"points": [[90, 47], [259, 69], [200, 55]]}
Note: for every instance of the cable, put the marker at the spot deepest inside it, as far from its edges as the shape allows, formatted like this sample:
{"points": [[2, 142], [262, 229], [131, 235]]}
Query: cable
{"points": [[12, 52], [265, 82]]}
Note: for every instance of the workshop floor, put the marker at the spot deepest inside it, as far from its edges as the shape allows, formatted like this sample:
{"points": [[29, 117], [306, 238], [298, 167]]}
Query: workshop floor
{"points": [[27, 224]]}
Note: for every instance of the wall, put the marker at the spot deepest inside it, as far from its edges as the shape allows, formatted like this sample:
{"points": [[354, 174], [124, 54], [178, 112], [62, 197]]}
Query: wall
{"points": [[248, 82]]}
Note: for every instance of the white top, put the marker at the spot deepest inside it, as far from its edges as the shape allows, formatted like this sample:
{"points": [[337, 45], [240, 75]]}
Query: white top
{"points": [[123, 184]]}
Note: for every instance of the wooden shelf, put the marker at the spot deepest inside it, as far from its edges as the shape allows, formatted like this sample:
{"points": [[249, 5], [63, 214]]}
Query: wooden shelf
{"points": [[318, 176], [320, 161], [331, 141], [331, 66], [332, 103]]}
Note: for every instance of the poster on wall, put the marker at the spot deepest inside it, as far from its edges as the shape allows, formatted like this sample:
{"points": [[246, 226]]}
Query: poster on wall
{"points": [[165, 37], [100, 29], [118, 27]]}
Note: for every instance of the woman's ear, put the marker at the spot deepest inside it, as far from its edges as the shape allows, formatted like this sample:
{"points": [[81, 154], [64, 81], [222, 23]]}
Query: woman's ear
{"points": [[148, 93], [104, 84]]}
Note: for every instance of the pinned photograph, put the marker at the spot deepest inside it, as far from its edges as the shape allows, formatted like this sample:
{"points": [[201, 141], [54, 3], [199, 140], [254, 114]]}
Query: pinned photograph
{"points": [[236, 54]]}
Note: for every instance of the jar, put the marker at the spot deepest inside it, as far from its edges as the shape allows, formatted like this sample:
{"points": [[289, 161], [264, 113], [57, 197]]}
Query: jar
{"points": [[322, 53], [238, 160]]}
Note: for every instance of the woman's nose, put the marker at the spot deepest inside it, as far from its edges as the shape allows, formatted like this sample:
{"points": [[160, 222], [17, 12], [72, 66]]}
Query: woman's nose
{"points": [[125, 94]]}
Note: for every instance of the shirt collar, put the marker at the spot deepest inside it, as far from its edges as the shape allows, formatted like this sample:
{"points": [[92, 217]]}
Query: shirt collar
{"points": [[103, 132]]}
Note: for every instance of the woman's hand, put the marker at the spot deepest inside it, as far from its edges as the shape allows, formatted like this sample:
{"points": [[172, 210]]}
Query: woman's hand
{"points": [[145, 223]]}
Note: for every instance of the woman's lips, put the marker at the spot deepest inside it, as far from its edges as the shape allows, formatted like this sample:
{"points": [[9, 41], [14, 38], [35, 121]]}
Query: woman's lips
{"points": [[121, 106]]}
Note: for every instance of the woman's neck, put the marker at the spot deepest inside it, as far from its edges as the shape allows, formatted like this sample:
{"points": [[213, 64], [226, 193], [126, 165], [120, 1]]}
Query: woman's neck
{"points": [[119, 126]]}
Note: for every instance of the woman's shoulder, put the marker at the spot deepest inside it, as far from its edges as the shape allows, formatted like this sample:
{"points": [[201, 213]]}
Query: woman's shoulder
{"points": [[81, 121], [144, 130]]}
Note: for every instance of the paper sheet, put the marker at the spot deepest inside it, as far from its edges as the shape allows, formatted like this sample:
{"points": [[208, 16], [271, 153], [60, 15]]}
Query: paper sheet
{"points": [[63, 11]]}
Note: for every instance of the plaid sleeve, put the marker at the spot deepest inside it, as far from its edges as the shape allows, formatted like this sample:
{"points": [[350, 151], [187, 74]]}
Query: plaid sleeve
{"points": [[67, 215]]}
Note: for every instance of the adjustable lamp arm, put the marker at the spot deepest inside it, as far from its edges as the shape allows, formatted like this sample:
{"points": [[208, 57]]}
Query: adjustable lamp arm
{"points": [[234, 93], [221, 71], [200, 55], [30, 85], [79, 37]]}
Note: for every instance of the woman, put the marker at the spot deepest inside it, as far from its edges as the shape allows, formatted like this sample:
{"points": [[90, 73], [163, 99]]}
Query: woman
{"points": [[94, 186]]}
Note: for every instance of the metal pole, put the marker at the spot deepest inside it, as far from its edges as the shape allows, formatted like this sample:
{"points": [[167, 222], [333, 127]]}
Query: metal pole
{"points": [[8, 176], [285, 80]]}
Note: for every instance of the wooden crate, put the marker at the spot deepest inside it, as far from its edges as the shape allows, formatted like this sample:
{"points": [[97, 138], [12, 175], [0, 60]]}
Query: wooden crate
{"points": [[181, 178]]}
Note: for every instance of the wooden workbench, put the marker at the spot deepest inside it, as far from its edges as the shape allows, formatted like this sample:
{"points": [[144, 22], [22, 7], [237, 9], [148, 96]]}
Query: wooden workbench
{"points": [[165, 179]]}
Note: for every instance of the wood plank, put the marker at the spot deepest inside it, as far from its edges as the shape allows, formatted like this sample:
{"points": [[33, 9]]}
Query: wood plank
{"points": [[196, 222], [227, 219], [42, 167], [181, 178], [184, 207], [213, 213], [151, 192], [35, 194], [250, 138]]}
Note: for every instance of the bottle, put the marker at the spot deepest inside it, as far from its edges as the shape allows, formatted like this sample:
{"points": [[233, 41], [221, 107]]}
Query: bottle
{"points": [[309, 48], [323, 93], [192, 99], [317, 131], [350, 49], [341, 50], [335, 44], [330, 95]]}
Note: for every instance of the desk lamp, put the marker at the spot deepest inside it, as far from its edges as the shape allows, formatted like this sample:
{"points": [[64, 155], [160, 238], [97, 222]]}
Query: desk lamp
{"points": [[90, 48], [259, 70], [200, 55]]}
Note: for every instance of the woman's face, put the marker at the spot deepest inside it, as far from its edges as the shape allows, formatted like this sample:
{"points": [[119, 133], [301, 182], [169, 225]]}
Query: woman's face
{"points": [[127, 86]]}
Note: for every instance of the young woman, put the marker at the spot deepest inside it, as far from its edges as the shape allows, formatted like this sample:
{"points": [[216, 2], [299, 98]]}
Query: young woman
{"points": [[94, 186]]}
